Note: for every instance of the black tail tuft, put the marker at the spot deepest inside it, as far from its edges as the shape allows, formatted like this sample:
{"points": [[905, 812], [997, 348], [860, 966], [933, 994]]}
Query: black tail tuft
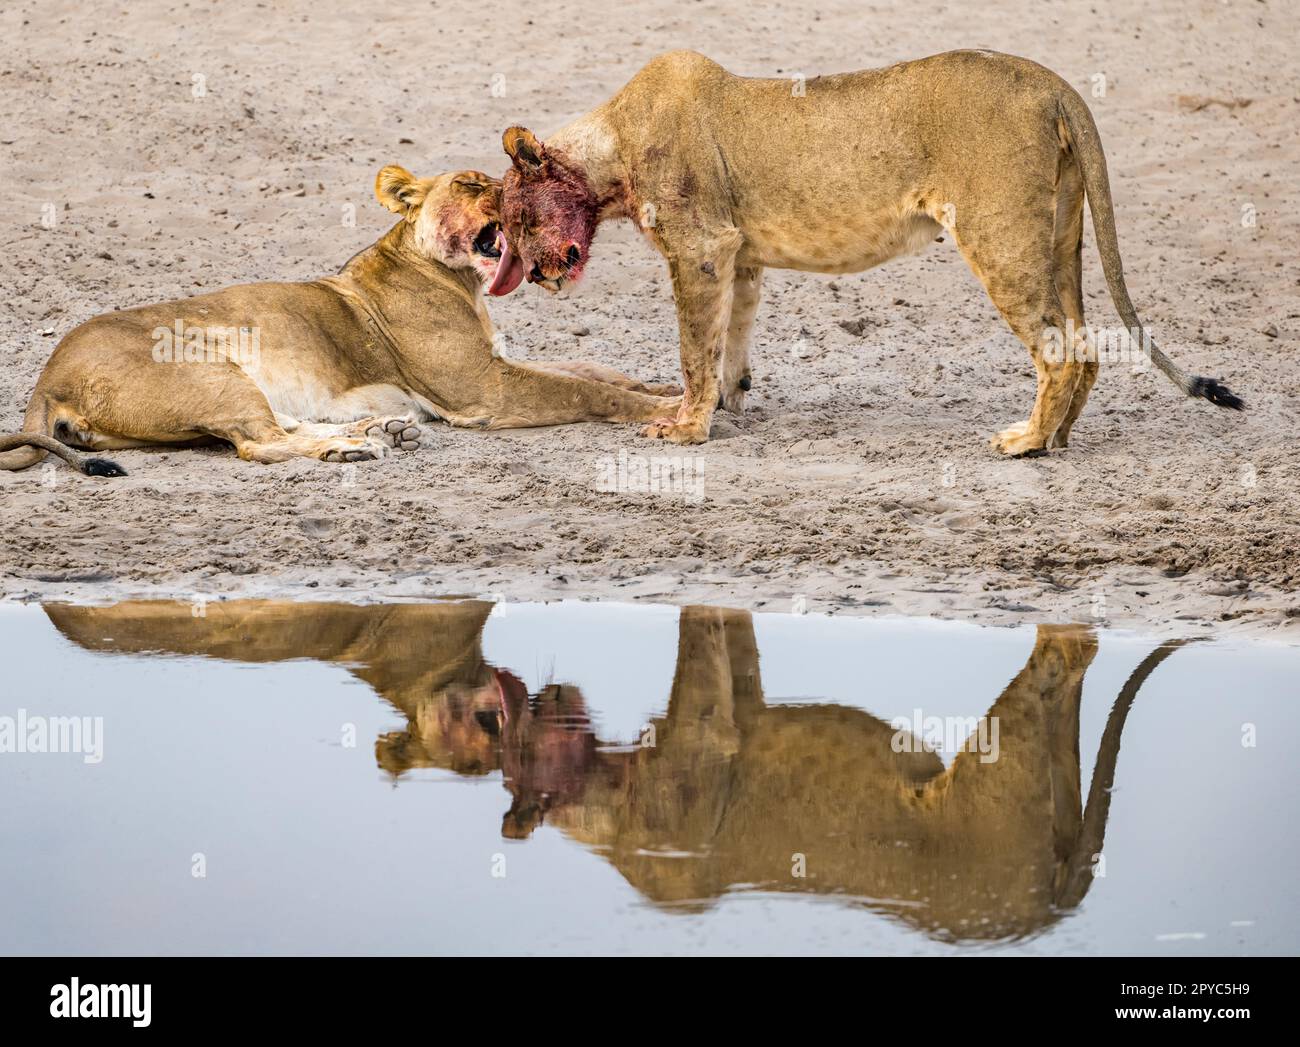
{"points": [[1217, 393], [101, 467]]}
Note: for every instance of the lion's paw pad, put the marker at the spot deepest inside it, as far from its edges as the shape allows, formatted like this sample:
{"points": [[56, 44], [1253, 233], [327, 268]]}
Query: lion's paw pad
{"points": [[399, 433]]}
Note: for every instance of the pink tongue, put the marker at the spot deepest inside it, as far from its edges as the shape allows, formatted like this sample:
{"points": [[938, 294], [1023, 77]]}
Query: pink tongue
{"points": [[510, 270]]}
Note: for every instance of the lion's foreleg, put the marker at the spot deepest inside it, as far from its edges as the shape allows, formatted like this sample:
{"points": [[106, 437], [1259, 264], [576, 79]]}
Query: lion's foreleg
{"points": [[517, 396], [600, 373], [703, 286], [736, 375]]}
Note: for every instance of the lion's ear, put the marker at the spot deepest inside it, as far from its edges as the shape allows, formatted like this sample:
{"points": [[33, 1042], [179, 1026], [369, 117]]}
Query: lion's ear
{"points": [[399, 190], [525, 150]]}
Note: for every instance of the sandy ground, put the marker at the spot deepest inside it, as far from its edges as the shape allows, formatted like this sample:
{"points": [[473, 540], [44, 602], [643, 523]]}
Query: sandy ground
{"points": [[859, 480]]}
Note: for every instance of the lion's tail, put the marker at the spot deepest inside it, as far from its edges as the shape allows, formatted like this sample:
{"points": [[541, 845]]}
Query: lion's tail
{"points": [[25, 449], [1092, 161]]}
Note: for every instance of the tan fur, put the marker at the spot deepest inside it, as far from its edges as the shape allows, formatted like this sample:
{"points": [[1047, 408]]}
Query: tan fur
{"points": [[729, 175], [344, 365], [732, 789], [979, 850]]}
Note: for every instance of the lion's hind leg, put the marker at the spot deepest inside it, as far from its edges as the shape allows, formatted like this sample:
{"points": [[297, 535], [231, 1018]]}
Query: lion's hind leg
{"points": [[222, 401], [1011, 249], [382, 412], [260, 438], [1067, 253], [1057, 381]]}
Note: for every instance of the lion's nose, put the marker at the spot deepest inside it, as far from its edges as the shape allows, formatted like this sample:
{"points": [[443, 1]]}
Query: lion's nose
{"points": [[574, 256], [536, 277]]}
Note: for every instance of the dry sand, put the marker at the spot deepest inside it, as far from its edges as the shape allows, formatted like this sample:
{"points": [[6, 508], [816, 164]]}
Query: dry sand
{"points": [[859, 479]]}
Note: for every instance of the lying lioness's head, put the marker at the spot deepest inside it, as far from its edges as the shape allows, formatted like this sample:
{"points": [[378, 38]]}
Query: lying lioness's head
{"points": [[456, 217], [550, 213]]}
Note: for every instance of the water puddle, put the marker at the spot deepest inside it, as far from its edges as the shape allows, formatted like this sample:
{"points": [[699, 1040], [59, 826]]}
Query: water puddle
{"points": [[273, 777]]}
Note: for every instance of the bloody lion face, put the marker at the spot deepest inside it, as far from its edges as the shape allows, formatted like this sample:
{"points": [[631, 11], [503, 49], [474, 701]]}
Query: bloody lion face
{"points": [[549, 213]]}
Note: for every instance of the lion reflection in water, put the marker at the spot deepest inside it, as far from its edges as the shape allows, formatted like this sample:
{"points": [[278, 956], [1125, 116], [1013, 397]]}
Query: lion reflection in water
{"points": [[734, 794]]}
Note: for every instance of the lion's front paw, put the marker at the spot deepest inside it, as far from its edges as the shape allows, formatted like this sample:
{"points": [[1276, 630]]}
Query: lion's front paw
{"points": [[733, 401], [677, 432], [343, 449], [398, 433], [1019, 441], [732, 398]]}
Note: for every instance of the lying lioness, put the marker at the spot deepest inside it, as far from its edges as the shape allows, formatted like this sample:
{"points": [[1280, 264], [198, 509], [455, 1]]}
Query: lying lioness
{"points": [[337, 369], [727, 174]]}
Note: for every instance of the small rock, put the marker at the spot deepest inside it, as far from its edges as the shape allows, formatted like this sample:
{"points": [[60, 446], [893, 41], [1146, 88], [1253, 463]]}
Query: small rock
{"points": [[1271, 330]]}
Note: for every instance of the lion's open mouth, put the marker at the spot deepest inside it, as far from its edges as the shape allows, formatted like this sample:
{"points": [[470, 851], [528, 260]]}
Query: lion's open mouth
{"points": [[489, 240]]}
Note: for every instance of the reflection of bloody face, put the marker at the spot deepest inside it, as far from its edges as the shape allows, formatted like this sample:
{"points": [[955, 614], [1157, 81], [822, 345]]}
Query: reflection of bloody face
{"points": [[547, 751]]}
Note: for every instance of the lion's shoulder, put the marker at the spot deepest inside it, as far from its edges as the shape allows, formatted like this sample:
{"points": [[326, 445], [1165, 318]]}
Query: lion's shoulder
{"points": [[677, 66]]}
